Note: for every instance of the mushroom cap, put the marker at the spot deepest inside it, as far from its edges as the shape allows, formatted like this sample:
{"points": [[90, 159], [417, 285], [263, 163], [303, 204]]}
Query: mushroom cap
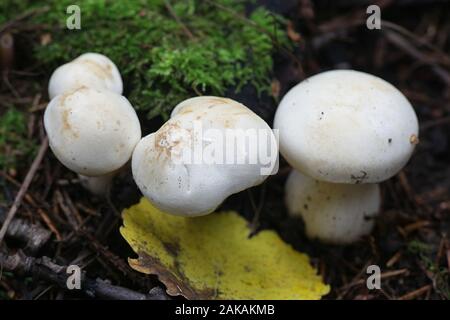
{"points": [[91, 70], [333, 213], [181, 185], [346, 126], [92, 132]]}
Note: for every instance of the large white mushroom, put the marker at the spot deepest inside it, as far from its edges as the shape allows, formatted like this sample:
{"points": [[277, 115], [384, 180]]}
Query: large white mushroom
{"points": [[210, 148], [333, 213], [92, 132], [346, 126], [91, 70]]}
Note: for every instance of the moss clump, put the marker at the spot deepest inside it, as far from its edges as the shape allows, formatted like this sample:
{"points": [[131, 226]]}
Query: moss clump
{"points": [[14, 144], [160, 61], [425, 253]]}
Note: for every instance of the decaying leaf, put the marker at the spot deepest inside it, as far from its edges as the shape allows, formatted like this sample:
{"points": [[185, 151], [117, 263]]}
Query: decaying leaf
{"points": [[211, 257]]}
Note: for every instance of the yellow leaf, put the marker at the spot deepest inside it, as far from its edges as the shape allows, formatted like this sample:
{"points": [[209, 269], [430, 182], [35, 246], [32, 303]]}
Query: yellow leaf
{"points": [[211, 257]]}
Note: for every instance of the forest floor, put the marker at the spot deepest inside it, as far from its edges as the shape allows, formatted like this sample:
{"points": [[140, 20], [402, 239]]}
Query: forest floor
{"points": [[410, 242]]}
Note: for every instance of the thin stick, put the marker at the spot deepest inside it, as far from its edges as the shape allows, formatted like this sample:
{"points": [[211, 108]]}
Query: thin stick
{"points": [[430, 124], [23, 16], [416, 293], [178, 20], [23, 189], [44, 268]]}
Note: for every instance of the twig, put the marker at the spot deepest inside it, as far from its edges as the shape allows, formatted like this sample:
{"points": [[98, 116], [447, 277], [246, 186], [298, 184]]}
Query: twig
{"points": [[45, 269], [394, 259], [22, 16], [401, 43], [23, 189], [430, 124], [72, 208], [178, 20], [415, 226], [383, 276], [49, 223], [416, 293], [354, 20], [70, 216], [348, 285], [445, 59], [32, 200], [8, 84], [103, 251], [33, 234], [404, 182], [254, 225], [440, 252]]}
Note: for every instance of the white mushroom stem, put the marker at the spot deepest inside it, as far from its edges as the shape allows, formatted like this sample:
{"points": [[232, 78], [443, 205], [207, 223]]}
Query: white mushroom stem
{"points": [[192, 163], [99, 186], [332, 213]]}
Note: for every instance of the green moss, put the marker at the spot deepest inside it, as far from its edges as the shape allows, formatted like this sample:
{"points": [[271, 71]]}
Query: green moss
{"points": [[440, 274], [160, 62], [14, 144], [424, 252]]}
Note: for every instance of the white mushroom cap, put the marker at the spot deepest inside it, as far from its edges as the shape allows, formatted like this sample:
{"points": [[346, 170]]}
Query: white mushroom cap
{"points": [[91, 70], [346, 126], [332, 213], [185, 186], [92, 132]]}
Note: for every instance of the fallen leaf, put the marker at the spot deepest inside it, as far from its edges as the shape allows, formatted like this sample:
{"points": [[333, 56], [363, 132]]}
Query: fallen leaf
{"points": [[211, 257]]}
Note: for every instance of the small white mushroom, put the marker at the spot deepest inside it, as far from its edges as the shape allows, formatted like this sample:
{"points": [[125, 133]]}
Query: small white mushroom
{"points": [[333, 213], [91, 70], [346, 126], [92, 132], [203, 154]]}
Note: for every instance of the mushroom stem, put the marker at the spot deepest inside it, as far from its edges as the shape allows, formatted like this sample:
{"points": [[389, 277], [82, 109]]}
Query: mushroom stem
{"points": [[332, 212], [98, 186]]}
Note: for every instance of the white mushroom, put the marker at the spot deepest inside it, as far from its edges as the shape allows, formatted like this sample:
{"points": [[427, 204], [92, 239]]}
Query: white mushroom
{"points": [[92, 132], [91, 70], [346, 126], [203, 154], [333, 213]]}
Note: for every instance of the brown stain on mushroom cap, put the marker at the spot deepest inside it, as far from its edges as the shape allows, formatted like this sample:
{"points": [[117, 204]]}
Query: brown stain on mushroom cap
{"points": [[69, 93], [164, 142], [186, 110], [219, 100], [210, 102], [226, 117], [101, 71], [66, 126]]}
